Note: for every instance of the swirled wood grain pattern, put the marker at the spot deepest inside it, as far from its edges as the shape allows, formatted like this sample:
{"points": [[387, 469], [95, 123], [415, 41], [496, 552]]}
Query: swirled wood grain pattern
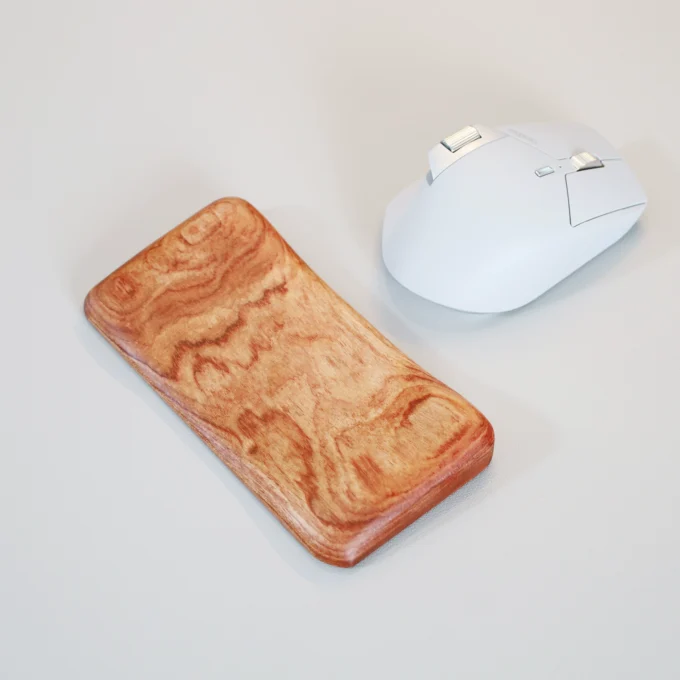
{"points": [[341, 435]]}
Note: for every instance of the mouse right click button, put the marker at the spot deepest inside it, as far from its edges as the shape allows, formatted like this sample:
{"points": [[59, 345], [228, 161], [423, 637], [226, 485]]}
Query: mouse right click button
{"points": [[601, 191]]}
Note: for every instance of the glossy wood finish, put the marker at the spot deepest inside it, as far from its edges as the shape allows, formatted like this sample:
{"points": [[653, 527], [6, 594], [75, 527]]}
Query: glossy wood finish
{"points": [[343, 437]]}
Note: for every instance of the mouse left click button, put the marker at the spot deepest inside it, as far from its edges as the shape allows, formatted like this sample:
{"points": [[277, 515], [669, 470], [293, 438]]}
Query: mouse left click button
{"points": [[462, 138]]}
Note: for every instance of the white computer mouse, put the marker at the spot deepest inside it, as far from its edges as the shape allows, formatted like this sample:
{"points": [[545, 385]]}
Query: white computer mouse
{"points": [[506, 213]]}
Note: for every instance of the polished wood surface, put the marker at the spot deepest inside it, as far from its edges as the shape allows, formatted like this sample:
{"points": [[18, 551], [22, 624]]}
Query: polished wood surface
{"points": [[343, 437]]}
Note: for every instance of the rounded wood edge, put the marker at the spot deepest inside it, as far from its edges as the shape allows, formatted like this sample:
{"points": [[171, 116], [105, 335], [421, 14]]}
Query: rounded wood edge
{"points": [[358, 547]]}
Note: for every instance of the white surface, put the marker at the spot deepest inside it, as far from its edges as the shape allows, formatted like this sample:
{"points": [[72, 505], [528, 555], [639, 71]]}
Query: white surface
{"points": [[127, 550], [563, 140], [486, 234]]}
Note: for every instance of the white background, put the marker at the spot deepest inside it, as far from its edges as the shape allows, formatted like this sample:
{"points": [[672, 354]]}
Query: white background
{"points": [[126, 549]]}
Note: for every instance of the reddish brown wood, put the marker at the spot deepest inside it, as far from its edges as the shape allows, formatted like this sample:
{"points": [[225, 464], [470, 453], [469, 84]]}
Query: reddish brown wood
{"points": [[343, 437]]}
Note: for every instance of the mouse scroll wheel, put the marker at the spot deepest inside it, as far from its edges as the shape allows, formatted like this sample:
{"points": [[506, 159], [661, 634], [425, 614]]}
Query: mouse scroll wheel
{"points": [[462, 138], [586, 161]]}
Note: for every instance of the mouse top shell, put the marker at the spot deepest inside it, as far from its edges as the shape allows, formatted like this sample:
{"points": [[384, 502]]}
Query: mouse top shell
{"points": [[506, 213]]}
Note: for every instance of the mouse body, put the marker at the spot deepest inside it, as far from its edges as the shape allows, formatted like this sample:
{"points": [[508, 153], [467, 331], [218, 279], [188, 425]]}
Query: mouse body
{"points": [[506, 213]]}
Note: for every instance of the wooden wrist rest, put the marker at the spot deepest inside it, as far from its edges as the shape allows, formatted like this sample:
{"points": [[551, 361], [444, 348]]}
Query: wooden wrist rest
{"points": [[342, 436]]}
